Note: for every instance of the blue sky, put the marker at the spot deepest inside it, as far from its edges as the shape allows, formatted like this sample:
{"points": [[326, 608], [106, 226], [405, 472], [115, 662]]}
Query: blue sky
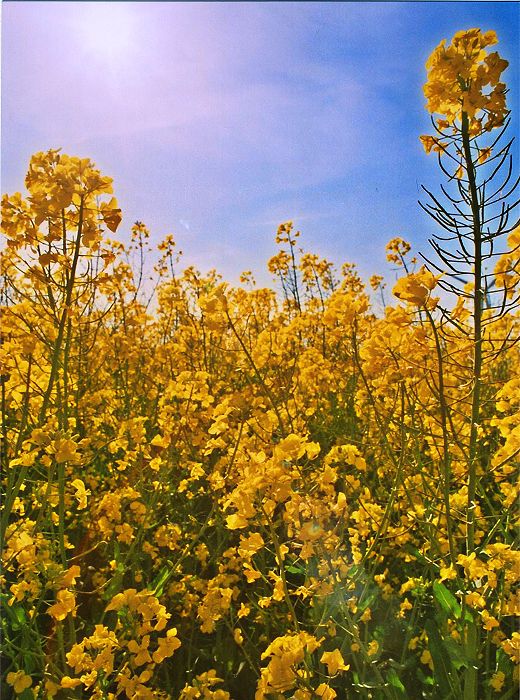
{"points": [[218, 121]]}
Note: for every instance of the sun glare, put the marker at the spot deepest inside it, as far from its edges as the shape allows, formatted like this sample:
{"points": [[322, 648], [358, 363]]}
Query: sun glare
{"points": [[107, 29]]}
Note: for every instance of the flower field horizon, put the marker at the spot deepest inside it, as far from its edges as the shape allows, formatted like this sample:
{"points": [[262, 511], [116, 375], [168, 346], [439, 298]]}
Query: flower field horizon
{"points": [[240, 492]]}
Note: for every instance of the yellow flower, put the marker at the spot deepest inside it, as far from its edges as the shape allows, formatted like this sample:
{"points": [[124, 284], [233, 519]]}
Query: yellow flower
{"points": [[484, 154], [497, 681], [334, 662], [474, 600], [513, 240], [76, 657], [68, 577], [474, 568], [489, 621], [447, 573], [292, 447], [111, 214], [236, 521], [251, 574], [140, 651], [458, 77], [51, 688], [426, 658], [250, 545], [375, 282], [19, 680], [286, 653], [366, 616], [66, 603], [161, 441], [81, 493], [324, 692], [243, 611], [432, 144], [512, 647], [416, 287], [373, 648], [166, 646], [65, 451], [26, 460], [403, 607]]}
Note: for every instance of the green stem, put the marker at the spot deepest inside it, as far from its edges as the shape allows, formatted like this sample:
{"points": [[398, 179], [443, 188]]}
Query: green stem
{"points": [[446, 461], [63, 320], [471, 677]]}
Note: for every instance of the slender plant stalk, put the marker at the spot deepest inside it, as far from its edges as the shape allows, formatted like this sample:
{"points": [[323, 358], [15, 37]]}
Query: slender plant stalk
{"points": [[471, 637], [63, 320], [446, 460]]}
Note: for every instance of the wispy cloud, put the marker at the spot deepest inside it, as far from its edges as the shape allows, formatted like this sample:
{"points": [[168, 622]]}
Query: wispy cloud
{"points": [[223, 114]]}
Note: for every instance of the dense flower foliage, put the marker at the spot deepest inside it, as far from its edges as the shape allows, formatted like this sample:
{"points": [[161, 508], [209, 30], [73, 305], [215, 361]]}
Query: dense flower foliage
{"points": [[216, 491]]}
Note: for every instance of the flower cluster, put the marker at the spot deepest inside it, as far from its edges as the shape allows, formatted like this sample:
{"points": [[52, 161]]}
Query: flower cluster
{"points": [[464, 79]]}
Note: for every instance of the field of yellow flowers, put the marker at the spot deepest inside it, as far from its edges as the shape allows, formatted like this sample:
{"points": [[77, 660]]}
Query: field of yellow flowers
{"points": [[227, 492]]}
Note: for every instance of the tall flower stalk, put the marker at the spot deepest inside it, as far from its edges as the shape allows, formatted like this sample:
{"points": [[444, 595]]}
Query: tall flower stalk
{"points": [[465, 92]]}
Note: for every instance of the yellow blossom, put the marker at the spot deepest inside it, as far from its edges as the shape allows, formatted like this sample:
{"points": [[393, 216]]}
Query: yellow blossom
{"points": [[416, 287], [426, 658], [236, 521], [324, 692], [65, 604], [373, 648], [334, 662], [484, 154], [19, 680], [447, 573], [166, 646], [497, 681], [65, 450], [81, 493]]}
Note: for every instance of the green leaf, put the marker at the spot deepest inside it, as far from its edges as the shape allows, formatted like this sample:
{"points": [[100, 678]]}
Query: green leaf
{"points": [[398, 689], [443, 669], [446, 600], [161, 579], [427, 680], [295, 570], [15, 613], [368, 600], [456, 653]]}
